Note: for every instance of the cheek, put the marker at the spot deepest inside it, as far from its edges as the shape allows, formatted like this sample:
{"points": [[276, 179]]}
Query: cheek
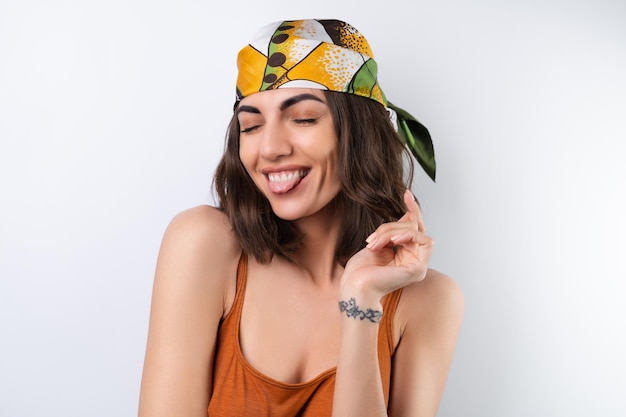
{"points": [[331, 155], [246, 156]]}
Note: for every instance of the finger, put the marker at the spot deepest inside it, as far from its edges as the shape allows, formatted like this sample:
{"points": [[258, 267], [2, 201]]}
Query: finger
{"points": [[416, 253], [396, 233], [414, 210], [384, 234], [410, 237], [410, 203]]}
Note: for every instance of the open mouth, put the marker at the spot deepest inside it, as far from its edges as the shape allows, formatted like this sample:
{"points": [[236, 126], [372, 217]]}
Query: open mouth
{"points": [[285, 181]]}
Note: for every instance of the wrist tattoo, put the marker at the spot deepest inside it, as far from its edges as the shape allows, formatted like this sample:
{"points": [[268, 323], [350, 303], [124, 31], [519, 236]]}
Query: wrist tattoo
{"points": [[352, 310]]}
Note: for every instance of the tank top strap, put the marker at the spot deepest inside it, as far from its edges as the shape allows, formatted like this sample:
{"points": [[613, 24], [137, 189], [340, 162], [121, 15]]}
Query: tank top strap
{"points": [[390, 302], [240, 285]]}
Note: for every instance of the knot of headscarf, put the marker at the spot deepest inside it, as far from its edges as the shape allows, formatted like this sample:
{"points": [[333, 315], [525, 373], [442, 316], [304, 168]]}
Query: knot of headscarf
{"points": [[327, 55]]}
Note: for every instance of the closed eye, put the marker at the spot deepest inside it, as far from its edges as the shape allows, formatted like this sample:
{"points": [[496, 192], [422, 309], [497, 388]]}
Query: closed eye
{"points": [[248, 129], [305, 121]]}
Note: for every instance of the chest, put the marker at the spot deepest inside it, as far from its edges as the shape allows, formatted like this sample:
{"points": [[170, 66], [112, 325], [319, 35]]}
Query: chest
{"points": [[289, 332]]}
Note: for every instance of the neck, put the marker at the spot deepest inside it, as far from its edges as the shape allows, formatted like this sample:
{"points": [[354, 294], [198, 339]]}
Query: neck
{"points": [[317, 255]]}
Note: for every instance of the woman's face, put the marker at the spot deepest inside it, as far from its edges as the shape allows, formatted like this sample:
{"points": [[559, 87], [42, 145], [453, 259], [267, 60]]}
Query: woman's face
{"points": [[288, 145]]}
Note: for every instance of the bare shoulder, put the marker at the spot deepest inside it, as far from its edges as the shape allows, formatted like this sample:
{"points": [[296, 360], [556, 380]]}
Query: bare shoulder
{"points": [[436, 300], [438, 289], [204, 231], [199, 250], [203, 225]]}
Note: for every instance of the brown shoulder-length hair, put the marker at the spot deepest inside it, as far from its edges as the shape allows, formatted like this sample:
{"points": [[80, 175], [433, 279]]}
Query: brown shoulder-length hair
{"points": [[371, 161]]}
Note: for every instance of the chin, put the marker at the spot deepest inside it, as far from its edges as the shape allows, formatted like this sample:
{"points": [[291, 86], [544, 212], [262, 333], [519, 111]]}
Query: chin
{"points": [[288, 215]]}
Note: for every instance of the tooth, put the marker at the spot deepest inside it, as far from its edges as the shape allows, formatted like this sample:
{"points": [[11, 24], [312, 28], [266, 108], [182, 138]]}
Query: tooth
{"points": [[285, 176]]}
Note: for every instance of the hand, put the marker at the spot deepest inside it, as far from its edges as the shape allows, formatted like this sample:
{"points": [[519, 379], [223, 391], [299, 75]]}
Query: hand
{"points": [[397, 254]]}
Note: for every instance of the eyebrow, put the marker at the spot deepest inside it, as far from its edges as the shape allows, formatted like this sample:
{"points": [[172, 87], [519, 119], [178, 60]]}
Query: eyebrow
{"points": [[296, 99], [284, 105]]}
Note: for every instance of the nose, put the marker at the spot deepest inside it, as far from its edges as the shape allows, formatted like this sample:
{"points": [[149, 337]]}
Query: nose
{"points": [[275, 141]]}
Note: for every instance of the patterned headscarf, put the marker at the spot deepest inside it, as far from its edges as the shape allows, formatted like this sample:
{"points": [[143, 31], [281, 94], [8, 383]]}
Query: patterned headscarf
{"points": [[327, 55]]}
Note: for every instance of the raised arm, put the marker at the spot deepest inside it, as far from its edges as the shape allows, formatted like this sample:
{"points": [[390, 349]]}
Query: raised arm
{"points": [[429, 316], [196, 265]]}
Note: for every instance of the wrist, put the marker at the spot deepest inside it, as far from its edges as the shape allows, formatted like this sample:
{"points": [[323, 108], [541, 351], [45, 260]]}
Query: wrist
{"points": [[355, 309], [361, 290], [357, 300]]}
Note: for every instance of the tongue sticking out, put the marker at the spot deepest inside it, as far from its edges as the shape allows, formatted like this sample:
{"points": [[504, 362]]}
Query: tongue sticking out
{"points": [[282, 182]]}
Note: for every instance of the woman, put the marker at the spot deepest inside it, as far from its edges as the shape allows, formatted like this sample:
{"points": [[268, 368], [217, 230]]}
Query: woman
{"points": [[307, 292]]}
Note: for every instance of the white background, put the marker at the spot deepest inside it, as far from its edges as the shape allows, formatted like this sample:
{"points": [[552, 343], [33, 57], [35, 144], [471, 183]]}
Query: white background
{"points": [[112, 118]]}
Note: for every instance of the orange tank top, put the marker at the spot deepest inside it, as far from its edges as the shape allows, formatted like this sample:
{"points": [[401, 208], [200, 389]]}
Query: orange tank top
{"points": [[240, 390]]}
